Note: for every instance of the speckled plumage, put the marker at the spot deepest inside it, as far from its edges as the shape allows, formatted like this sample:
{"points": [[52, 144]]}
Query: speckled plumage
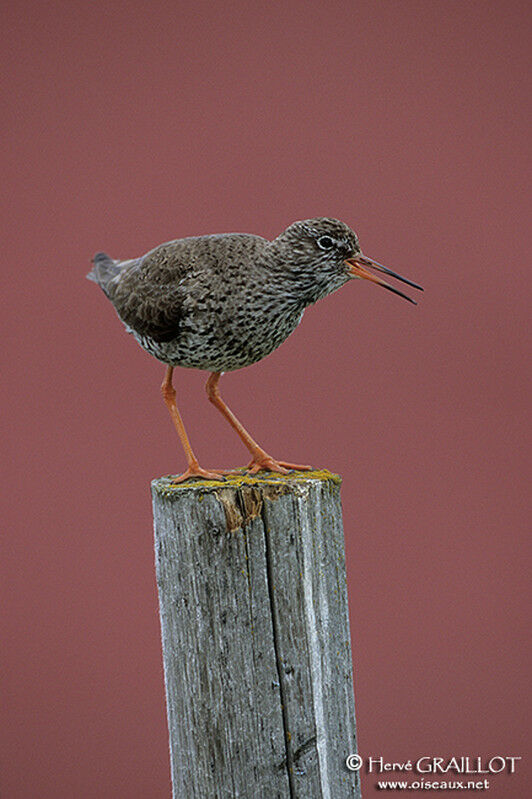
{"points": [[222, 302]]}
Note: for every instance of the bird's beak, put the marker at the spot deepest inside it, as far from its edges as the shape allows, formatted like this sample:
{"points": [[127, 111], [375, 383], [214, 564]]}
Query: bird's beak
{"points": [[356, 269]]}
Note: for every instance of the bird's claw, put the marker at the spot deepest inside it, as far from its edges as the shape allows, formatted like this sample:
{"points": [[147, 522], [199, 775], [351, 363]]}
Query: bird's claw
{"points": [[196, 471], [296, 467], [257, 464], [269, 464]]}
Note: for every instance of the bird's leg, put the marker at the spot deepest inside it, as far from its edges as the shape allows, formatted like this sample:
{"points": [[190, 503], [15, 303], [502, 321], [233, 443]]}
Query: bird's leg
{"points": [[260, 459], [194, 469]]}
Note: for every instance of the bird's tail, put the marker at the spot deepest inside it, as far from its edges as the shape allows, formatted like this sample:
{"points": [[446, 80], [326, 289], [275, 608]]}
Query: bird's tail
{"points": [[104, 270]]}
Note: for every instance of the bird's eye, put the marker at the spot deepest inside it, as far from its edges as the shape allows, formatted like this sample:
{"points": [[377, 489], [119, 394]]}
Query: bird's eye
{"points": [[325, 242]]}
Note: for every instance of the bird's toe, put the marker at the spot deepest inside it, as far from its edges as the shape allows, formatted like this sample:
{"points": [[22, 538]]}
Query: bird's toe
{"points": [[197, 471]]}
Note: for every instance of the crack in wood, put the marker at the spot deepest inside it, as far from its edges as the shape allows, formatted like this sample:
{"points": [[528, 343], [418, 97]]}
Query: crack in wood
{"points": [[242, 505], [288, 761]]}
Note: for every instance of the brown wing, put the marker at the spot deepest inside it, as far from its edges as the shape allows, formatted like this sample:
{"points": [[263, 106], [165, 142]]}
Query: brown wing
{"points": [[157, 293], [150, 293]]}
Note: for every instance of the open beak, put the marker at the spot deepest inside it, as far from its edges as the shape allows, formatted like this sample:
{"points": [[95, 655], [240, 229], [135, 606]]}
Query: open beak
{"points": [[356, 268]]}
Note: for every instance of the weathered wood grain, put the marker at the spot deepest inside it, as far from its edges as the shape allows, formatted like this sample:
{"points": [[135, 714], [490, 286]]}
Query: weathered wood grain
{"points": [[256, 648]]}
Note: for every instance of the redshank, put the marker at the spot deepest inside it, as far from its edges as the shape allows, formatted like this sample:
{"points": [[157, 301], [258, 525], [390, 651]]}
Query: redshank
{"points": [[222, 302]]}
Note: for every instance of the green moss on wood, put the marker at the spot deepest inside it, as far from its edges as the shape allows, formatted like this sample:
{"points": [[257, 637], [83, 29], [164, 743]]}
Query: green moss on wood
{"points": [[239, 478]]}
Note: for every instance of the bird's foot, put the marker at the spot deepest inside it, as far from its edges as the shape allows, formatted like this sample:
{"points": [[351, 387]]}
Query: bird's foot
{"points": [[269, 464], [195, 470]]}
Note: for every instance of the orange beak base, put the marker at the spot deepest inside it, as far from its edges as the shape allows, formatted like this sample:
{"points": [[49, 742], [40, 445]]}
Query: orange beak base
{"points": [[357, 269]]}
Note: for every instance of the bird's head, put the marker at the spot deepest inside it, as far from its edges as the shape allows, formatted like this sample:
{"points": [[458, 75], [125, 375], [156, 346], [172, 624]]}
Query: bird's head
{"points": [[323, 254]]}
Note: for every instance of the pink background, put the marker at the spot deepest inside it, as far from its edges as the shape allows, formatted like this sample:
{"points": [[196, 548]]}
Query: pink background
{"points": [[134, 123]]}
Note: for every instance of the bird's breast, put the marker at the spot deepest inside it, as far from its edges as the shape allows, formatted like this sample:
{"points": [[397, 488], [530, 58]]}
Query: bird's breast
{"points": [[226, 339]]}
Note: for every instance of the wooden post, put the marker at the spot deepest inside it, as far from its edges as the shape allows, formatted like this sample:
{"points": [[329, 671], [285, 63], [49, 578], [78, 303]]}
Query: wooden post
{"points": [[255, 632]]}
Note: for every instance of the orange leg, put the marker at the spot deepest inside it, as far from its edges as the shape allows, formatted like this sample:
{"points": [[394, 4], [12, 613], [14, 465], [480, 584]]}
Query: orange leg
{"points": [[194, 469], [260, 459]]}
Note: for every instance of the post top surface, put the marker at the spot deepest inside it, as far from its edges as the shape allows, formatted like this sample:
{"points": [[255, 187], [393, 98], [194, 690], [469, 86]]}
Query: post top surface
{"points": [[239, 478]]}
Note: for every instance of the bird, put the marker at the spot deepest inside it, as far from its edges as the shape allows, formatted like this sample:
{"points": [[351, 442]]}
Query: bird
{"points": [[221, 302]]}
